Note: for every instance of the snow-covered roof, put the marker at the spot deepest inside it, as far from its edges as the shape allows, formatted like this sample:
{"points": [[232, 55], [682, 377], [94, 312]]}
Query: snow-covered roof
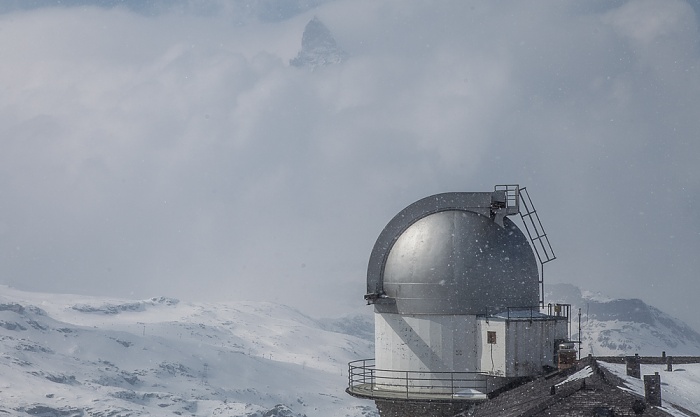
{"points": [[596, 388], [678, 388]]}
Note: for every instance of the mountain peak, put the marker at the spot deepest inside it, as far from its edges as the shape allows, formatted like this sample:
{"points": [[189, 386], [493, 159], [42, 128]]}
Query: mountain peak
{"points": [[318, 47]]}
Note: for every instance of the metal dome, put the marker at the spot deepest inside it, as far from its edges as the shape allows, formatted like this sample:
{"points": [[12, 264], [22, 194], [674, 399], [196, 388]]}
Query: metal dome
{"points": [[449, 254]]}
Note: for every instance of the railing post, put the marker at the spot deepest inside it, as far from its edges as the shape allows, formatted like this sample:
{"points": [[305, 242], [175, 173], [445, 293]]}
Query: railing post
{"points": [[406, 384], [364, 371], [452, 383]]}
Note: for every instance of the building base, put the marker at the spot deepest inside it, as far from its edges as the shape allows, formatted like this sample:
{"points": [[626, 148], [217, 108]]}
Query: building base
{"points": [[407, 408]]}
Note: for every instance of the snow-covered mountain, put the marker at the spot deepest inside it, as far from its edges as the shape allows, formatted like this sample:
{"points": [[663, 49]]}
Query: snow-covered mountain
{"points": [[613, 327], [72, 355]]}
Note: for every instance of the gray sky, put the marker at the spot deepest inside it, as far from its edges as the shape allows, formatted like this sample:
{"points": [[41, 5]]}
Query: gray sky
{"points": [[168, 148]]}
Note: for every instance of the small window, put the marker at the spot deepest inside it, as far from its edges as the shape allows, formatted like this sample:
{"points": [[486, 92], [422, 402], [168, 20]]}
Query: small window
{"points": [[491, 338]]}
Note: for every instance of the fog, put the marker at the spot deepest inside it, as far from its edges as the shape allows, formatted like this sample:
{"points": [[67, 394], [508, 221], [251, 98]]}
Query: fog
{"points": [[168, 148]]}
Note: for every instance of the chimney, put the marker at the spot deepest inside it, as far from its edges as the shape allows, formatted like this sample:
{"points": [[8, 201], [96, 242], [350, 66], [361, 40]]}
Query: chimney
{"points": [[633, 368], [669, 363], [652, 389]]}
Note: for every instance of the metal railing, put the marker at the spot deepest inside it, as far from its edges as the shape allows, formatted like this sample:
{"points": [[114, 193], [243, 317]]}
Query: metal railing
{"points": [[532, 313], [365, 380]]}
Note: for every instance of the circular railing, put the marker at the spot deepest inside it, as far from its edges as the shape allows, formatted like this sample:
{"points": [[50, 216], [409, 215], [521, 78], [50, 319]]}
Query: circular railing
{"points": [[365, 380]]}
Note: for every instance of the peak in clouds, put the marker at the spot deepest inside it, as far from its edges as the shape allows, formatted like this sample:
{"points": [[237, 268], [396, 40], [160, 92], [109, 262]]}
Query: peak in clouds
{"points": [[318, 47]]}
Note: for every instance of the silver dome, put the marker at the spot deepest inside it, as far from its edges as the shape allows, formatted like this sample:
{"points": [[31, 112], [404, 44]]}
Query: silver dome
{"points": [[446, 255]]}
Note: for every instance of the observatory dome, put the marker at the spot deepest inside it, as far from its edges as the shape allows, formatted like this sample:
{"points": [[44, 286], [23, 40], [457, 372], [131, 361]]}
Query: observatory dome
{"points": [[460, 262]]}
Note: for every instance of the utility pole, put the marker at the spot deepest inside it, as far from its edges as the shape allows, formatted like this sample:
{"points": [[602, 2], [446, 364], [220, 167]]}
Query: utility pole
{"points": [[579, 334]]}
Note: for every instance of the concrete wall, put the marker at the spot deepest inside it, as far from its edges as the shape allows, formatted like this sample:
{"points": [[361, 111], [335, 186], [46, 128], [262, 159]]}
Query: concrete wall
{"points": [[398, 408]]}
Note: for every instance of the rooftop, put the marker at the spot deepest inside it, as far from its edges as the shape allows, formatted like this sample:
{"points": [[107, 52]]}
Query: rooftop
{"points": [[597, 388]]}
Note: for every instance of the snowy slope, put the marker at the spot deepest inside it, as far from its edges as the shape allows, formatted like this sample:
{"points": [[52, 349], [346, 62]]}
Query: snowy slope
{"points": [[613, 327], [76, 355], [678, 388]]}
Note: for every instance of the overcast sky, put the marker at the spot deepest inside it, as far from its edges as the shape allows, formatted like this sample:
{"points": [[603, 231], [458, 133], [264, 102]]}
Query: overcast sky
{"points": [[168, 148]]}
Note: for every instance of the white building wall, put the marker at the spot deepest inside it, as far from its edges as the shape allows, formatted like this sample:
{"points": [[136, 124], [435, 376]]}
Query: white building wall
{"points": [[425, 344], [492, 356], [522, 347]]}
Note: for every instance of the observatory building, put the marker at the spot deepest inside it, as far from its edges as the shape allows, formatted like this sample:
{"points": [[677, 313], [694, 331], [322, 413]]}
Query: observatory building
{"points": [[457, 291]]}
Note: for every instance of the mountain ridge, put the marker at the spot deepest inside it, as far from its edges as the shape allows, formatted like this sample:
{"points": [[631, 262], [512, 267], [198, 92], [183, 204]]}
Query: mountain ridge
{"points": [[614, 327]]}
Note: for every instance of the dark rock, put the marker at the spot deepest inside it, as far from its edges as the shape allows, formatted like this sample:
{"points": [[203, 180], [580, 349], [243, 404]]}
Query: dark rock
{"points": [[318, 47]]}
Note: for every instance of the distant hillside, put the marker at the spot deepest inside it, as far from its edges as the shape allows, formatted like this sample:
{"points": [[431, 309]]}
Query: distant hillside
{"points": [[360, 325], [65, 355], [613, 327]]}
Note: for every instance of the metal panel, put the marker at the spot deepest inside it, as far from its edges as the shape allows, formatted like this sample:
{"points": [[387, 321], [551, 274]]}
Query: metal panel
{"points": [[460, 262], [475, 202], [530, 345]]}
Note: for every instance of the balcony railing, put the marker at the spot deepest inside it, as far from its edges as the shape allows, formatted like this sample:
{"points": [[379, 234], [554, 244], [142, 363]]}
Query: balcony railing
{"points": [[365, 380]]}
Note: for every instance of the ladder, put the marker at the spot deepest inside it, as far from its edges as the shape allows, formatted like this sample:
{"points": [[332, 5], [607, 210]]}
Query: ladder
{"points": [[534, 229], [538, 237], [515, 197]]}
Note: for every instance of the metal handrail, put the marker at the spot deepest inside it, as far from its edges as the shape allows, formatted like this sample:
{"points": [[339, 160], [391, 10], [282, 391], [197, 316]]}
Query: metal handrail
{"points": [[363, 374], [533, 312]]}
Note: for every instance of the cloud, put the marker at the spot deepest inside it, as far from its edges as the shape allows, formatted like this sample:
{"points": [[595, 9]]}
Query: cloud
{"points": [[178, 153]]}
